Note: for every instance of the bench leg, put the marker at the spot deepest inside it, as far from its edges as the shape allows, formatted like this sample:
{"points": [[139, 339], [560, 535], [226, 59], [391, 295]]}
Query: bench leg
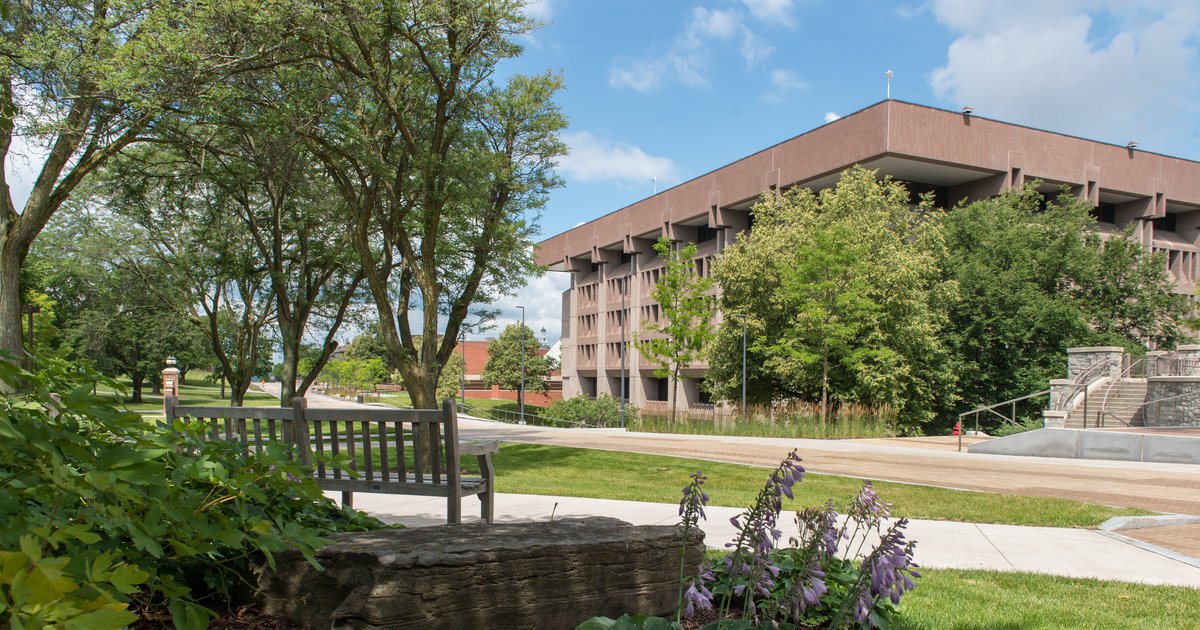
{"points": [[487, 499], [347, 499], [454, 507]]}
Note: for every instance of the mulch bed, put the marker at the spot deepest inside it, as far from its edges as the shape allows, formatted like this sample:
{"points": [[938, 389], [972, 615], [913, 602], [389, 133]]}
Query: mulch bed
{"points": [[243, 618]]}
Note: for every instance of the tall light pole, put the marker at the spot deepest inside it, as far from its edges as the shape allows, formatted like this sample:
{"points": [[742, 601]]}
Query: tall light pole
{"points": [[462, 337], [743, 369], [521, 392], [624, 287]]}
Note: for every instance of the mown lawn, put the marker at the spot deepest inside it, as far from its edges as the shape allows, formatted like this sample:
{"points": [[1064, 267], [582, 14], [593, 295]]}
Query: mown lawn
{"points": [[577, 472], [194, 392], [978, 600]]}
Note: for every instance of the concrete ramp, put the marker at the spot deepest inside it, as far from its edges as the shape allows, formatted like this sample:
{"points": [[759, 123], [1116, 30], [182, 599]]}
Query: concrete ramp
{"points": [[1096, 444]]}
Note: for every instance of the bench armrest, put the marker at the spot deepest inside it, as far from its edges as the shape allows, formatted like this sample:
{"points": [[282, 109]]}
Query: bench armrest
{"points": [[478, 449]]}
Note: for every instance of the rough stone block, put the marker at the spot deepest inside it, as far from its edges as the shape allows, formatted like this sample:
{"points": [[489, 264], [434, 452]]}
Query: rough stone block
{"points": [[513, 575]]}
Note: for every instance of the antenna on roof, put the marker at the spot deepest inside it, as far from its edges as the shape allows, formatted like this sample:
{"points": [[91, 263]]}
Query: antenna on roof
{"points": [[888, 74]]}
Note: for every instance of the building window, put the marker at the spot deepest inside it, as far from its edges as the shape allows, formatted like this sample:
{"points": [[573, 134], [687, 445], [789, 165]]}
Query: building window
{"points": [[1105, 212], [941, 194], [1164, 224], [705, 234]]}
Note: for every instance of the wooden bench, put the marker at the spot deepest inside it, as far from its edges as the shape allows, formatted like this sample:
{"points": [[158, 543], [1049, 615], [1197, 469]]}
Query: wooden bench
{"points": [[318, 435]]}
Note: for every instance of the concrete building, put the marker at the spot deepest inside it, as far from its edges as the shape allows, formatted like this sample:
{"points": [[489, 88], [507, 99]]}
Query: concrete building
{"points": [[955, 155]]}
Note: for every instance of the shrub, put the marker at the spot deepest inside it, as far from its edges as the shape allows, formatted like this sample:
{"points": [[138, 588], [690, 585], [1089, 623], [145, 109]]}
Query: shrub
{"points": [[103, 510], [601, 411], [824, 580]]}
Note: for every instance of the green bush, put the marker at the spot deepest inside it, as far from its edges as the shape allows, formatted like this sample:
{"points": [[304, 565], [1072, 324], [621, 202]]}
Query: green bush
{"points": [[103, 510], [601, 411]]}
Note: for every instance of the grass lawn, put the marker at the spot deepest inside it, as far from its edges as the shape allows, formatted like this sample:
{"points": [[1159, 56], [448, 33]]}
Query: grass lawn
{"points": [[961, 599], [577, 472], [195, 392]]}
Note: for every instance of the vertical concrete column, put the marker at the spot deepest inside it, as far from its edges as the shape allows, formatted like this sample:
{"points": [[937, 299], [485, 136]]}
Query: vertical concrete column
{"points": [[1188, 356], [1080, 360], [1154, 362], [170, 382]]}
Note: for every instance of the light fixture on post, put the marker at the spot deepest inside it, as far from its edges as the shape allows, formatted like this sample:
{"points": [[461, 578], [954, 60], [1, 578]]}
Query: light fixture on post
{"points": [[524, 350], [743, 318], [624, 287], [967, 110], [1131, 145], [462, 337]]}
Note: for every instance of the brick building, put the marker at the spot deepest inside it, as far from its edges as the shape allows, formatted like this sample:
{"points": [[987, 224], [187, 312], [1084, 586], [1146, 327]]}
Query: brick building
{"points": [[955, 155]]}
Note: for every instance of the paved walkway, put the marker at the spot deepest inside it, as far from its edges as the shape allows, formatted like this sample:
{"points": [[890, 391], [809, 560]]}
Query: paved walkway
{"points": [[1173, 488], [940, 544]]}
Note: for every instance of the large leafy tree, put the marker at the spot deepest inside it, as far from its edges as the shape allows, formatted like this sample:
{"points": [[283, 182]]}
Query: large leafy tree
{"points": [[503, 366], [82, 80], [440, 168], [1035, 278], [680, 337], [842, 297]]}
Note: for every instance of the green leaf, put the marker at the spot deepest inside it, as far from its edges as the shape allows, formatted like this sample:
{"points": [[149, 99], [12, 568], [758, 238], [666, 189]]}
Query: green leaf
{"points": [[597, 623], [110, 618]]}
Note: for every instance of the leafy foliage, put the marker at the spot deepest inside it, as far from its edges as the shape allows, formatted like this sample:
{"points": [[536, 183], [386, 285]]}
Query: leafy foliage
{"points": [[503, 367], [1034, 278], [103, 510], [685, 329], [843, 299], [601, 411]]}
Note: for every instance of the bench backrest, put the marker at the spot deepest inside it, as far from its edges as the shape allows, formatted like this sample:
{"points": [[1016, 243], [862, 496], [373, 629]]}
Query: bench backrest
{"points": [[379, 442]]}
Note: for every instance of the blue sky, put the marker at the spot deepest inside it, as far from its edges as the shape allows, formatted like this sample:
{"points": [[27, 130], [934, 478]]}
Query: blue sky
{"points": [[672, 89]]}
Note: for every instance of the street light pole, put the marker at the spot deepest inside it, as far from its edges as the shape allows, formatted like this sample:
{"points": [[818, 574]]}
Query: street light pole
{"points": [[521, 392], [463, 339], [743, 369]]}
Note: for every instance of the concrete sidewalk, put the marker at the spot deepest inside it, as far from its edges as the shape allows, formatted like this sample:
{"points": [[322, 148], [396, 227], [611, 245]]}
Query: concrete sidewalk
{"points": [[940, 544]]}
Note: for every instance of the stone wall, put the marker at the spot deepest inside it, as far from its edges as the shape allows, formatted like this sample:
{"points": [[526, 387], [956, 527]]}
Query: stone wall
{"points": [[1183, 407], [1080, 359], [513, 575]]}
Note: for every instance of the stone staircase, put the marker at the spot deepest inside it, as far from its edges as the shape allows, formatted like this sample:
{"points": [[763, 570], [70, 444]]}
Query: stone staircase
{"points": [[1124, 405]]}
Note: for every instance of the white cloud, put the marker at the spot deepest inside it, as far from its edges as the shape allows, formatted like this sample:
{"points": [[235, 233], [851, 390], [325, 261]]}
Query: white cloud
{"points": [[595, 159], [772, 11], [831, 116], [542, 299], [642, 75], [784, 82], [540, 10], [704, 32], [754, 49], [1061, 73], [909, 11]]}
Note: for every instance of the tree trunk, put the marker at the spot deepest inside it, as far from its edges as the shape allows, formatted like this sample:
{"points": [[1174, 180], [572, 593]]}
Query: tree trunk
{"points": [[674, 394], [183, 376], [10, 304], [222, 386], [423, 394], [287, 372], [137, 388], [824, 388]]}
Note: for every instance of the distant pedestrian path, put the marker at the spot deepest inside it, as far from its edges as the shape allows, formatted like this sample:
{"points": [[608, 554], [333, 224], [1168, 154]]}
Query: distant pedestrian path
{"points": [[940, 544], [1173, 488]]}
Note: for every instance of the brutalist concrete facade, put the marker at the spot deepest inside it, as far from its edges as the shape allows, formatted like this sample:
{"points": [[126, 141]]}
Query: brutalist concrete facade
{"points": [[954, 155]]}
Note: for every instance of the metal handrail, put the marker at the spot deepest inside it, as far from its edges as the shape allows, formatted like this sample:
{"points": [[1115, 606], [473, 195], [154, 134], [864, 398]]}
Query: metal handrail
{"points": [[992, 409], [1081, 383], [1104, 403]]}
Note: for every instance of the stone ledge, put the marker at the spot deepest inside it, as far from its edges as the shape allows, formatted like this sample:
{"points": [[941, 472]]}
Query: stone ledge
{"points": [[512, 575]]}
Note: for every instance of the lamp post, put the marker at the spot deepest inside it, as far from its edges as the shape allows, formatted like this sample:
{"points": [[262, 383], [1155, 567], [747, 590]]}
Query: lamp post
{"points": [[30, 309], [462, 337], [743, 317], [624, 285], [521, 392]]}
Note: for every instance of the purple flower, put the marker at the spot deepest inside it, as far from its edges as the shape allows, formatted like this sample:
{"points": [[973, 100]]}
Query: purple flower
{"points": [[697, 597], [808, 589], [886, 572]]}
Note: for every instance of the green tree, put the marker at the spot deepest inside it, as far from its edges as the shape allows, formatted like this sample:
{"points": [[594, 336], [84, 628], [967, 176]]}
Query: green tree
{"points": [[440, 167], [450, 382], [1035, 278], [88, 79], [681, 336], [843, 300], [503, 366]]}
